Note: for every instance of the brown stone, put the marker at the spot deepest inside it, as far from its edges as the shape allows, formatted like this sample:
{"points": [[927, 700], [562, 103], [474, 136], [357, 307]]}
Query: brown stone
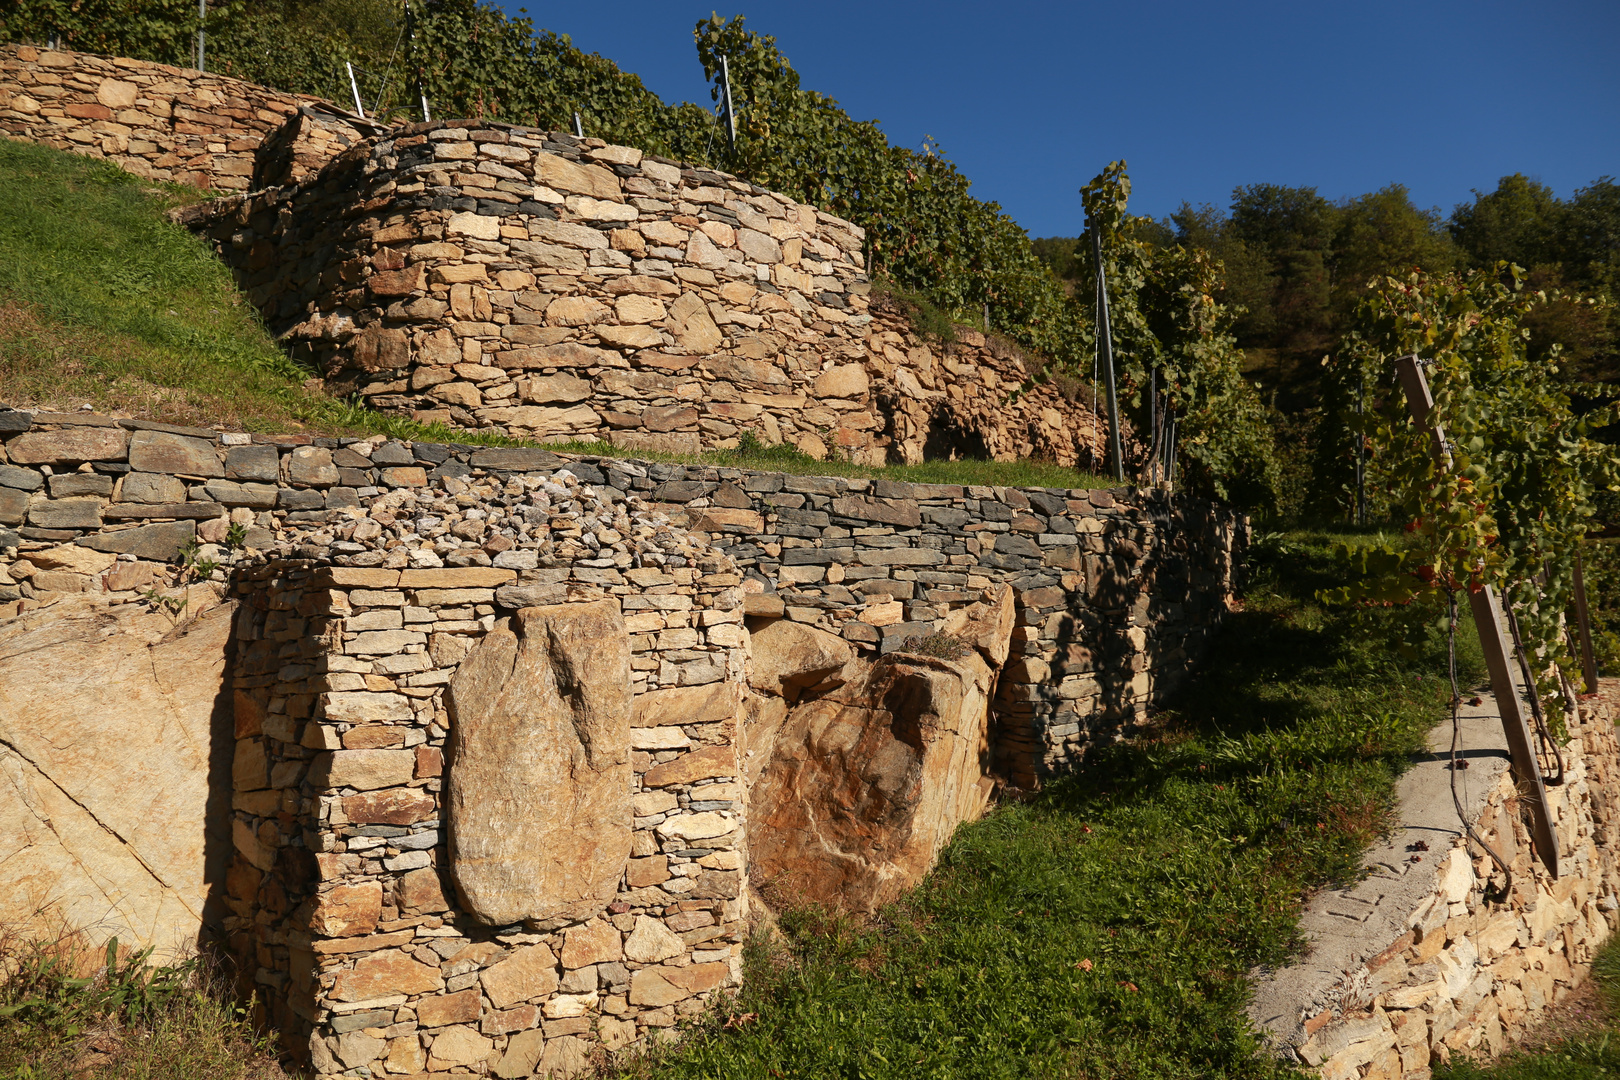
{"points": [[698, 978], [649, 987], [382, 974], [538, 796], [161, 452], [595, 942], [454, 577], [530, 972], [380, 349], [458, 1008], [507, 1021], [653, 870], [420, 892], [108, 719], [347, 910], [522, 1055], [458, 1046], [704, 764], [714, 703], [68, 446], [866, 784], [397, 806], [789, 656], [365, 770]]}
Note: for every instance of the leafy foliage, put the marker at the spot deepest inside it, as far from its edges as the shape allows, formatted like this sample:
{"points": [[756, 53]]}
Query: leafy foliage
{"points": [[1174, 337], [1512, 507]]}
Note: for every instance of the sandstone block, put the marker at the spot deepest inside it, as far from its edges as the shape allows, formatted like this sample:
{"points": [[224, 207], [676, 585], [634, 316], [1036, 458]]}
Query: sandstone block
{"points": [[452, 577], [459, 1046], [347, 910], [395, 806], [712, 704], [522, 1055], [649, 988], [704, 826], [143, 487], [529, 973], [705, 764], [161, 452], [363, 707], [420, 892], [68, 446], [382, 974], [365, 770], [475, 225], [651, 942], [443, 1009], [595, 942], [538, 796]]}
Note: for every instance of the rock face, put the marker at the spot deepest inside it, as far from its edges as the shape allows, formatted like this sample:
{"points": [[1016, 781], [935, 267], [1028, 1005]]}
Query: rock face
{"points": [[540, 780], [866, 784], [110, 718]]}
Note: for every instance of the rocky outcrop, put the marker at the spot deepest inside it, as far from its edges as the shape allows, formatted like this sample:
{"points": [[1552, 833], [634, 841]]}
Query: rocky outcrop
{"points": [[112, 720], [865, 783], [540, 779]]}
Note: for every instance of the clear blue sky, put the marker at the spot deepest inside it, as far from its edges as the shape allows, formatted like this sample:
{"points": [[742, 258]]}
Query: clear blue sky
{"points": [[1032, 99]]}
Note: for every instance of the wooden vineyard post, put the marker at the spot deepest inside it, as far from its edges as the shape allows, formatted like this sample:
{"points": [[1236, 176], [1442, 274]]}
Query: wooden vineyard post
{"points": [[1583, 624], [1488, 620]]}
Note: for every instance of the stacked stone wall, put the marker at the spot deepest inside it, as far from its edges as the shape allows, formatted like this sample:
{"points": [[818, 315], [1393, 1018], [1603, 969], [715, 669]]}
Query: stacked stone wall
{"points": [[156, 121], [365, 580], [1466, 971], [511, 280], [1116, 591]]}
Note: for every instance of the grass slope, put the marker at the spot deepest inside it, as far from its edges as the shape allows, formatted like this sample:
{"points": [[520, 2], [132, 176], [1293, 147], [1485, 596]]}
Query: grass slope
{"points": [[104, 302], [1105, 928]]}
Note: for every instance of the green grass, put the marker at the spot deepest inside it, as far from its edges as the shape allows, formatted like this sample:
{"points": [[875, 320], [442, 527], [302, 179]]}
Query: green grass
{"points": [[1105, 928], [69, 1013], [104, 302]]}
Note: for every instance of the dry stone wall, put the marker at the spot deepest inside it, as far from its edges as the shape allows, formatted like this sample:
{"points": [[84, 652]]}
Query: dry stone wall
{"points": [[512, 280], [372, 620], [1422, 962], [159, 122]]}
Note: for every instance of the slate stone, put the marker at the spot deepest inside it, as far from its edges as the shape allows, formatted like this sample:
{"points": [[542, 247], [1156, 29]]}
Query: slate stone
{"points": [[21, 479], [516, 459], [253, 463], [13, 506], [68, 446], [193, 511], [255, 496], [163, 452], [67, 485], [15, 420], [82, 513], [300, 500], [159, 543], [144, 487]]}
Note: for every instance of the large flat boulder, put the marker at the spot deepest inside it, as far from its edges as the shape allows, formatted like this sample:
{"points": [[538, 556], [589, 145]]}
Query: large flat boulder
{"points": [[112, 722], [865, 785], [538, 792]]}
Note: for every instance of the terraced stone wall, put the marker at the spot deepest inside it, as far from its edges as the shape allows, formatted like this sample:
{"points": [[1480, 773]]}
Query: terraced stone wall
{"points": [[153, 120], [512, 280]]}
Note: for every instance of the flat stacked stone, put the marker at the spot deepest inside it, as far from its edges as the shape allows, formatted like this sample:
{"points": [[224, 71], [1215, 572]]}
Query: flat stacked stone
{"points": [[153, 120]]}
